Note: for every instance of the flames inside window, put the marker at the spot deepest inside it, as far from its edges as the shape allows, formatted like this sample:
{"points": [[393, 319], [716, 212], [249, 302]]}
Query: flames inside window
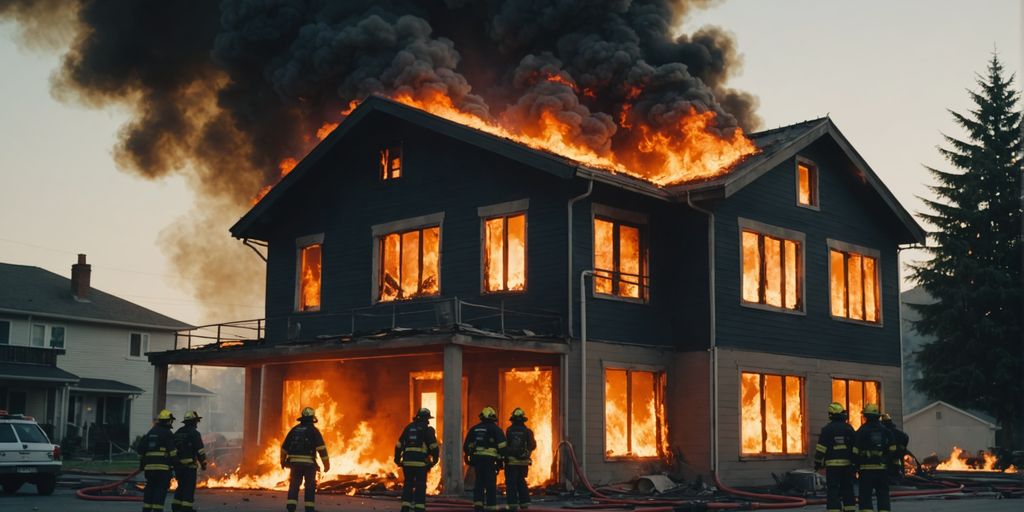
{"points": [[505, 253], [309, 278], [771, 271], [391, 162], [634, 416], [532, 390], [807, 184], [853, 394], [772, 412], [409, 266], [854, 286], [620, 259]]}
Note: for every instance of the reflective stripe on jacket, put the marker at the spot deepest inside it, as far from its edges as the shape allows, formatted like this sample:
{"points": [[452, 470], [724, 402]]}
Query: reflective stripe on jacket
{"points": [[873, 447], [835, 445], [485, 439], [156, 449], [417, 446], [530, 444]]}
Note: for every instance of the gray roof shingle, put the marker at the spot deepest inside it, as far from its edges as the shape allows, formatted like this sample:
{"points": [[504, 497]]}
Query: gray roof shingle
{"points": [[35, 372]]}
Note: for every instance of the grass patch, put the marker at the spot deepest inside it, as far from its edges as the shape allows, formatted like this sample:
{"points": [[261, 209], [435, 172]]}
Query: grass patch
{"points": [[102, 466]]}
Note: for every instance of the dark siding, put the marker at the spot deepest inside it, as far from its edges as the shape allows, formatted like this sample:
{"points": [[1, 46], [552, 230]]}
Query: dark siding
{"points": [[850, 212]]}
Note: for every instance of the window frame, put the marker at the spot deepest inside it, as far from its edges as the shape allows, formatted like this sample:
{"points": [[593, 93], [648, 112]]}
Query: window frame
{"points": [[814, 181], [803, 405], [661, 389], [847, 248], [383, 173], [504, 210], [378, 231], [146, 337], [301, 243], [617, 217], [10, 331], [780, 233], [47, 335], [863, 380]]}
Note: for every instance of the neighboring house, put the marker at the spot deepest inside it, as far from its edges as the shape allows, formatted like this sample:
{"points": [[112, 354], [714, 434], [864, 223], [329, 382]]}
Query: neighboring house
{"points": [[412, 261], [938, 427], [183, 397], [102, 341]]}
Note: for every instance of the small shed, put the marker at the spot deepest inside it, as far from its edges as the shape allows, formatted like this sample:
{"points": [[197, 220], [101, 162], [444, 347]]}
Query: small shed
{"points": [[939, 426]]}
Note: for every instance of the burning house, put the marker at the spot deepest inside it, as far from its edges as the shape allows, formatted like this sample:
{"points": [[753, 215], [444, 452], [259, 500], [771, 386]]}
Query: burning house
{"points": [[702, 321]]}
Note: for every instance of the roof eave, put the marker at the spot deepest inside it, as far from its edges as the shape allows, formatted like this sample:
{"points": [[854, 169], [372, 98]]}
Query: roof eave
{"points": [[156, 327]]}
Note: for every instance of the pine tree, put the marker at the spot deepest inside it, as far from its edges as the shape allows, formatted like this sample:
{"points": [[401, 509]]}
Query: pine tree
{"points": [[975, 270]]}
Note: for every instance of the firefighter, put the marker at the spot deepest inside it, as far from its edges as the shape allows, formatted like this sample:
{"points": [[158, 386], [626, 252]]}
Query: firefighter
{"points": [[191, 454], [901, 440], [521, 444], [873, 450], [416, 451], [156, 455], [298, 453], [484, 446], [833, 454]]}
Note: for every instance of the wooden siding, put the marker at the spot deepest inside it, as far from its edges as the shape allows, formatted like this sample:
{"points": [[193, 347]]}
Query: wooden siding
{"points": [[850, 212]]}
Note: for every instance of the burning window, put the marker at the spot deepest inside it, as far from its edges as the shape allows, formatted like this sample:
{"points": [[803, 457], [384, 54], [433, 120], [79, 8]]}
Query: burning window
{"points": [[772, 270], [391, 162], [806, 184], [772, 414], [853, 394], [409, 264], [620, 259], [309, 277], [634, 413], [854, 285], [505, 253]]}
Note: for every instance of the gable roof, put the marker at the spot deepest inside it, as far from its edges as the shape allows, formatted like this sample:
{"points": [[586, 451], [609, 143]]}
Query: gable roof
{"points": [[776, 146], [28, 290], [180, 387], [106, 386], [974, 416]]}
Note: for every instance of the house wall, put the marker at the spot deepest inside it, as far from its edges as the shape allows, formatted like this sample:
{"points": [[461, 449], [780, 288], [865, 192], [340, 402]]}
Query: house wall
{"points": [[940, 428], [850, 212], [736, 469]]}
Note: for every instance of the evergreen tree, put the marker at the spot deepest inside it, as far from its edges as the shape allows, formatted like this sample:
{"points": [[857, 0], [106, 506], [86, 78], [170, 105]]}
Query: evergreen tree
{"points": [[975, 270]]}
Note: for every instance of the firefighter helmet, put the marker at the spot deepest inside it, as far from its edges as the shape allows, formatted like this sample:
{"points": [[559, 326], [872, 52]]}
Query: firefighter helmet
{"points": [[308, 414], [423, 414], [886, 418], [518, 415], [488, 413], [165, 415], [835, 408], [192, 416], [870, 410]]}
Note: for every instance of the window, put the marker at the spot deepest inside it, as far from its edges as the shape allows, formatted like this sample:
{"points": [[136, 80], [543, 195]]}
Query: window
{"points": [[634, 418], [391, 162], [806, 184], [505, 253], [309, 277], [772, 265], [45, 335], [138, 344], [853, 394], [5, 332], [29, 433], [409, 264], [620, 259], [7, 433], [854, 282], [772, 414]]}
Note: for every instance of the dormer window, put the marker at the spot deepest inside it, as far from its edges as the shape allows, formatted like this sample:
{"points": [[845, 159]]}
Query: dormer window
{"points": [[806, 184], [391, 162]]}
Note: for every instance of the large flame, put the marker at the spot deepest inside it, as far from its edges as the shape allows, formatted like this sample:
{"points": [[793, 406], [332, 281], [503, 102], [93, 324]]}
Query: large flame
{"points": [[531, 390], [633, 414], [960, 460], [772, 420]]}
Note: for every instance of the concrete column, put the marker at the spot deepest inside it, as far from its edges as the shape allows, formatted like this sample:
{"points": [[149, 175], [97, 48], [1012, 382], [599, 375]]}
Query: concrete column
{"points": [[251, 415], [270, 402], [159, 388], [451, 456]]}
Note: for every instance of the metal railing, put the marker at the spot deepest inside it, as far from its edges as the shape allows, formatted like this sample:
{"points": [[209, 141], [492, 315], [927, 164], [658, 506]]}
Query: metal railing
{"points": [[27, 354]]}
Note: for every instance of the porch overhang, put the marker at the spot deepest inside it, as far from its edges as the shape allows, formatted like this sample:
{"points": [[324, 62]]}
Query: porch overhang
{"points": [[23, 372], [105, 387]]}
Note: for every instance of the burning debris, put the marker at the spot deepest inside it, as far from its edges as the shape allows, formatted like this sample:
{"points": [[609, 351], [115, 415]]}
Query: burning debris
{"points": [[960, 460]]}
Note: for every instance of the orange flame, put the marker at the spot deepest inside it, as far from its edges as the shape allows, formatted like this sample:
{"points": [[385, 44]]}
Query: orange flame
{"points": [[633, 416], [771, 414], [531, 390], [961, 461]]}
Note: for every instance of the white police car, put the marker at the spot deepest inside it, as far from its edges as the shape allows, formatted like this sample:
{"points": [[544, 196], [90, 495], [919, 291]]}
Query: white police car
{"points": [[26, 455]]}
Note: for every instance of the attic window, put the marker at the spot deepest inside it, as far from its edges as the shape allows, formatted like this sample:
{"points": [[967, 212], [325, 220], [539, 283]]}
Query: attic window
{"points": [[854, 275], [853, 394], [391, 162], [409, 264], [806, 184]]}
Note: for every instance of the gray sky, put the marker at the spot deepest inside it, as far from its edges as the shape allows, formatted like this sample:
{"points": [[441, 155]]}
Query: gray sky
{"points": [[885, 71]]}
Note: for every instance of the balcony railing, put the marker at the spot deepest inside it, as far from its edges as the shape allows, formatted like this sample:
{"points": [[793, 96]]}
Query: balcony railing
{"points": [[32, 355], [493, 318]]}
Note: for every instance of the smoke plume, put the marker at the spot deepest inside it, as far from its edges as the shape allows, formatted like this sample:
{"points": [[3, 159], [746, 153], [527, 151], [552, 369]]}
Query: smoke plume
{"points": [[222, 93]]}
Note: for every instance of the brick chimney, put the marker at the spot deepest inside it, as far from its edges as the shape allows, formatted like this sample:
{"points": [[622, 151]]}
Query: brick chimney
{"points": [[80, 274]]}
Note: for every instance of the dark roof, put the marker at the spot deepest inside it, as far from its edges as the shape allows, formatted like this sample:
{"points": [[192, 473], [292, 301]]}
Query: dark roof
{"points": [[106, 386], [31, 290], [776, 146], [35, 372], [180, 387]]}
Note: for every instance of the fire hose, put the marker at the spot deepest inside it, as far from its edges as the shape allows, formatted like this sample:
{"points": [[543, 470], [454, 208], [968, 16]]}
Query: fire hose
{"points": [[88, 493]]}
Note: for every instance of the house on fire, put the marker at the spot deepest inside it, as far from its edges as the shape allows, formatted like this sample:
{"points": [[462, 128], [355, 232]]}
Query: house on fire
{"points": [[415, 261]]}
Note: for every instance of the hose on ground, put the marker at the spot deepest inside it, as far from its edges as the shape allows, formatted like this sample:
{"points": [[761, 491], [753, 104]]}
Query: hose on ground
{"points": [[87, 493]]}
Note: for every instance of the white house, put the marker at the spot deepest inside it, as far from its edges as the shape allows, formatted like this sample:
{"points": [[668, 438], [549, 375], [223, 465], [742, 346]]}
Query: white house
{"points": [[938, 427], [101, 379]]}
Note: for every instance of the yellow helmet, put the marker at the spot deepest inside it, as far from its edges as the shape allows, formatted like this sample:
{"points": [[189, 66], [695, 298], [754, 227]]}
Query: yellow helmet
{"points": [[835, 408], [518, 415], [308, 414], [488, 413], [192, 416], [870, 410], [165, 415]]}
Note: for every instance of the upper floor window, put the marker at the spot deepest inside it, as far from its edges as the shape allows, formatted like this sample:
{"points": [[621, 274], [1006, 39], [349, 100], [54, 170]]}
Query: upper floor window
{"points": [[5, 332], [633, 413], [409, 263], [391, 162], [46, 335], [620, 254], [806, 184], [504, 247], [772, 262], [772, 414], [309, 278], [854, 278], [138, 344], [853, 394]]}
